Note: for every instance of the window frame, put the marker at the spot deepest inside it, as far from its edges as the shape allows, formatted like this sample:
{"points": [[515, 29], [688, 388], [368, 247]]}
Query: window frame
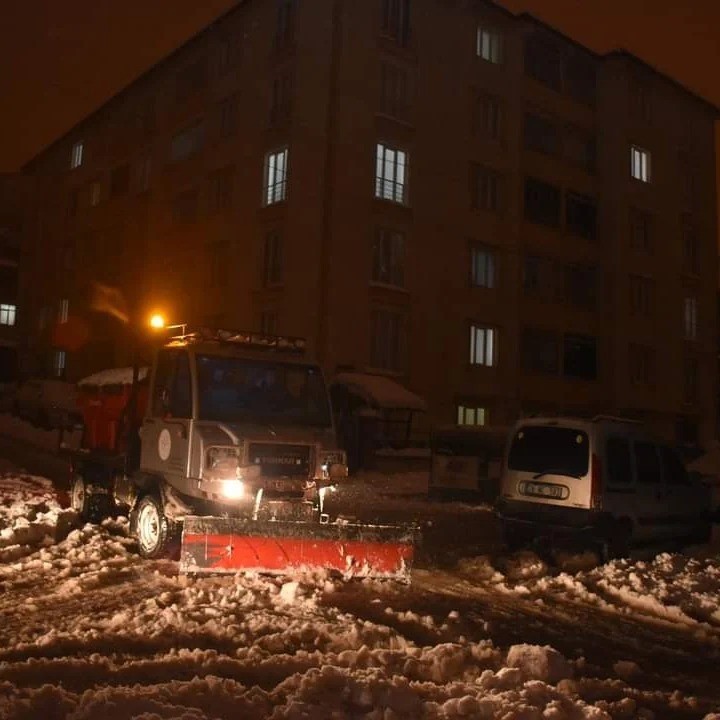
{"points": [[387, 183], [488, 278], [8, 314], [640, 164], [275, 179], [77, 153], [388, 251], [483, 340], [463, 411], [489, 44]]}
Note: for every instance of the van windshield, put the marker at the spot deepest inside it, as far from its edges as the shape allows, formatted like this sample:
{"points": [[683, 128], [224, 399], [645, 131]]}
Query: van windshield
{"points": [[554, 450]]}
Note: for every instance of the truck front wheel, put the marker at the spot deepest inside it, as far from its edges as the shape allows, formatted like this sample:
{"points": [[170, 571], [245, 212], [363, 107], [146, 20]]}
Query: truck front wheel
{"points": [[152, 529]]}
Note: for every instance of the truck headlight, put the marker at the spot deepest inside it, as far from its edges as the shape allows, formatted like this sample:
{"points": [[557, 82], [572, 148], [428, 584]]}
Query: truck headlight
{"points": [[233, 489]]}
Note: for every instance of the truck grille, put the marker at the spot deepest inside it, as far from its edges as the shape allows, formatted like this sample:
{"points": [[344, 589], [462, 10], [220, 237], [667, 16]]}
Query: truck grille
{"points": [[278, 460]]}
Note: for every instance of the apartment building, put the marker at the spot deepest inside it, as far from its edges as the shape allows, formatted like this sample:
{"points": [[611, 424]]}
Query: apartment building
{"points": [[13, 188], [442, 191]]}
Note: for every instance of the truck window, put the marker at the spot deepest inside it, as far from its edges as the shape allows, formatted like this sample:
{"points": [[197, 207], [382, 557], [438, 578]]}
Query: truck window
{"points": [[619, 461], [647, 463], [172, 394]]}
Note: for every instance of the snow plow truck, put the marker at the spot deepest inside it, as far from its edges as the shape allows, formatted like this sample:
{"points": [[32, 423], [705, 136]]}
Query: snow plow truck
{"points": [[225, 449]]}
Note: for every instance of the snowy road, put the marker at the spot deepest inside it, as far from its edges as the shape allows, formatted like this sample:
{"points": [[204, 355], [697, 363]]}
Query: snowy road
{"points": [[88, 630]]}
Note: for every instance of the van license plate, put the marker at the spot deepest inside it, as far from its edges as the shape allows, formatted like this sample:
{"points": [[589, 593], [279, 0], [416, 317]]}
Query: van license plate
{"points": [[534, 489]]}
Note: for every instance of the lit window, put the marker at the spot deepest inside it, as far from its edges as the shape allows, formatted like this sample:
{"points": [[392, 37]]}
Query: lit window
{"points": [[640, 164], [483, 268], [275, 185], [63, 311], [482, 346], [391, 167], [489, 45], [76, 156], [7, 314], [690, 318], [59, 363], [471, 415]]}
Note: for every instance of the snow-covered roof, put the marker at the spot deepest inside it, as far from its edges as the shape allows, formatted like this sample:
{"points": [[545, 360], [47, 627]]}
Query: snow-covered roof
{"points": [[380, 391], [113, 376]]}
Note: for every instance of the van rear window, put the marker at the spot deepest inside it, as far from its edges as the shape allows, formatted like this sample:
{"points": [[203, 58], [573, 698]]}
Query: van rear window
{"points": [[545, 449]]}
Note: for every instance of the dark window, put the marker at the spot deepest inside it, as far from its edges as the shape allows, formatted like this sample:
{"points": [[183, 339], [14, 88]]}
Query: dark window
{"points": [[539, 351], [579, 148], [394, 91], [542, 202], [486, 188], [581, 286], [543, 61], [396, 20], [73, 203], [229, 54], [541, 134], [647, 463], [285, 29], [581, 215], [673, 468], [580, 78], [619, 461], [185, 206], [172, 390], [281, 100], [690, 245], [191, 79], [268, 322], [272, 259], [482, 267], [580, 357], [641, 295], [221, 188], [388, 344], [219, 264], [187, 142], [228, 116], [543, 449], [640, 229], [532, 274], [642, 364], [487, 116], [690, 385], [120, 179], [388, 258]]}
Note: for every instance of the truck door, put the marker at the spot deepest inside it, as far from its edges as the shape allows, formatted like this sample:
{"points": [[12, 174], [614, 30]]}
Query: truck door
{"points": [[166, 429]]}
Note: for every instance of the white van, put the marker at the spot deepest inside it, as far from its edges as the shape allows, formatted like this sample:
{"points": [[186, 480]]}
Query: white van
{"points": [[607, 479]]}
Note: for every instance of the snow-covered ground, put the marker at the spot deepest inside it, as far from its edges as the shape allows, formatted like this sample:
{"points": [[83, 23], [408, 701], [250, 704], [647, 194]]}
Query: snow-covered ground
{"points": [[90, 630]]}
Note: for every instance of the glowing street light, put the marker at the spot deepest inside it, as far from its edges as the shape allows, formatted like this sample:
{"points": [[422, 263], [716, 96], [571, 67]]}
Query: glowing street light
{"points": [[157, 321]]}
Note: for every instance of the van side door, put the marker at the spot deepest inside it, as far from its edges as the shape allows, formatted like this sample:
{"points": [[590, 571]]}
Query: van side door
{"points": [[685, 500], [166, 429], [621, 489], [651, 501]]}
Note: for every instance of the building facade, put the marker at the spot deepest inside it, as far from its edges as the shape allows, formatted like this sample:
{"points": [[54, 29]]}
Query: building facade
{"points": [[13, 195], [438, 190]]}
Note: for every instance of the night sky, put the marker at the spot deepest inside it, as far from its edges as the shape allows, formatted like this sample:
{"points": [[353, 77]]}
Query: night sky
{"points": [[60, 59]]}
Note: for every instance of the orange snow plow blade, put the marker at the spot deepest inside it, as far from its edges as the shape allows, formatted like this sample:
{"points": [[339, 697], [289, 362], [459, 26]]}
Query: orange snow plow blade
{"points": [[230, 545]]}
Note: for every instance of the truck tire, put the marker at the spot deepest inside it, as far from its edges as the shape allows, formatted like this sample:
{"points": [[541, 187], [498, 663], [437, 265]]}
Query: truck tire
{"points": [[91, 507], [80, 497], [153, 530]]}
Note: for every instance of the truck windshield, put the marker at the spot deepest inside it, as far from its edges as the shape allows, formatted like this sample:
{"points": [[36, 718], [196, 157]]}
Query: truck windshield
{"points": [[553, 450], [232, 389]]}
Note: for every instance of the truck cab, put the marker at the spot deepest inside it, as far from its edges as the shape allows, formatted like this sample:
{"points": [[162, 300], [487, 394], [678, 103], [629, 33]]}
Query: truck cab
{"points": [[236, 425]]}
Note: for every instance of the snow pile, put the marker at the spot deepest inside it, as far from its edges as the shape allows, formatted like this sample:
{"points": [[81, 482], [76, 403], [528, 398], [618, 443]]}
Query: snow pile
{"points": [[30, 516], [19, 429], [89, 630]]}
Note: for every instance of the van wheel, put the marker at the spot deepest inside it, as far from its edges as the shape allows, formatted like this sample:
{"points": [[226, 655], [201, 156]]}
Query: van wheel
{"points": [[153, 530]]}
